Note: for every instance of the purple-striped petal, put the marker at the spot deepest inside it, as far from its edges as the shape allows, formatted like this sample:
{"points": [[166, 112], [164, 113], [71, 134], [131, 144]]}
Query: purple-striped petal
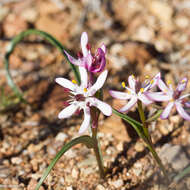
{"points": [[98, 84], [145, 100], [83, 76], [73, 60], [158, 96], [103, 47], [65, 83], [162, 86], [102, 106], [119, 95], [132, 82], [68, 111], [184, 96], [182, 84], [187, 104], [129, 105], [182, 112], [86, 121], [84, 42], [167, 110]]}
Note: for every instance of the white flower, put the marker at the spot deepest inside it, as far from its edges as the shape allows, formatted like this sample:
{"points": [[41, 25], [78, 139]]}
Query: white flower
{"points": [[82, 97]]}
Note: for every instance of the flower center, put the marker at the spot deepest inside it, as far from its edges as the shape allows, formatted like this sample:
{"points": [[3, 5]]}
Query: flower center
{"points": [[79, 97]]}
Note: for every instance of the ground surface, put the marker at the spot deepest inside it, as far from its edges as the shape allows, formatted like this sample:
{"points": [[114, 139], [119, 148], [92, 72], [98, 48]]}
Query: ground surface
{"points": [[142, 37]]}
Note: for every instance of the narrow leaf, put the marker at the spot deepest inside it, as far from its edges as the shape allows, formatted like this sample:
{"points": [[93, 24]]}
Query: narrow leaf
{"points": [[87, 140], [19, 38]]}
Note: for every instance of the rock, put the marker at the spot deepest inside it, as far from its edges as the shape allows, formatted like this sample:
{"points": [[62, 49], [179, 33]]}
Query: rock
{"points": [[158, 7], [182, 22], [29, 14], [61, 137], [4, 12], [75, 173], [139, 146], [16, 160], [100, 187], [118, 183], [174, 155], [69, 188], [137, 168], [32, 184]]}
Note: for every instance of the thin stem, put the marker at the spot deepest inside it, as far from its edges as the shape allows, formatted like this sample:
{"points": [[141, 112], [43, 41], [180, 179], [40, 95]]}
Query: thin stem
{"points": [[148, 140], [98, 153], [143, 119]]}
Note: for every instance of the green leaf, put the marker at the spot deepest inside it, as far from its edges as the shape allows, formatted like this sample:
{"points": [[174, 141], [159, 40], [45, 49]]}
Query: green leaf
{"points": [[155, 116], [87, 140], [182, 174], [20, 37]]}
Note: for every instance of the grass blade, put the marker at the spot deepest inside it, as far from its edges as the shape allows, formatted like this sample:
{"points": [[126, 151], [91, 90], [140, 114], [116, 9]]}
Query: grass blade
{"points": [[19, 38], [87, 140]]}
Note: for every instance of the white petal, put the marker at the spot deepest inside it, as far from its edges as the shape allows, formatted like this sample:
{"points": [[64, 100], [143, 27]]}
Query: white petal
{"points": [[103, 47], [132, 82], [162, 86], [65, 83], [83, 76], [119, 95], [68, 111], [182, 84], [73, 60], [158, 96], [184, 96], [98, 84], [144, 99], [86, 121], [182, 112], [167, 111], [102, 106], [84, 42], [129, 105]]}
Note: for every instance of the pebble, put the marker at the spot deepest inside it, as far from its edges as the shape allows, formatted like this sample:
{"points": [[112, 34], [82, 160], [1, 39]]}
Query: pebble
{"points": [[69, 188], [118, 183], [174, 155], [100, 187], [61, 137], [16, 160], [137, 168], [139, 146], [75, 173]]}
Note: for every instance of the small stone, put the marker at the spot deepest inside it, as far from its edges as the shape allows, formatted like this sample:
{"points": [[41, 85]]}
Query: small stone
{"points": [[100, 187], [4, 12], [32, 184], [182, 22], [137, 169], [139, 146], [118, 183], [16, 160], [29, 14], [174, 155], [75, 173], [61, 137], [69, 188], [157, 7]]}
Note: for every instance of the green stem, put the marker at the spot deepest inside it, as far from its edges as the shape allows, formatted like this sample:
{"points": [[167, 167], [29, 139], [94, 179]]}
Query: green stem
{"points": [[143, 119], [98, 154], [148, 140]]}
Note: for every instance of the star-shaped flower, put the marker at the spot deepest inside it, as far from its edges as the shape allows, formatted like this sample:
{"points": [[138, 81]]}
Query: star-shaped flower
{"points": [[82, 97], [174, 98], [93, 63], [135, 91]]}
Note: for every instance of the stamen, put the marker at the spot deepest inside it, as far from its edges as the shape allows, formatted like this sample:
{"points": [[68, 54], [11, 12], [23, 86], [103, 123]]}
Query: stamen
{"points": [[74, 81], [123, 84], [142, 90], [183, 81], [133, 76], [128, 91], [152, 81], [85, 89], [147, 77], [172, 100], [88, 46], [169, 82]]}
